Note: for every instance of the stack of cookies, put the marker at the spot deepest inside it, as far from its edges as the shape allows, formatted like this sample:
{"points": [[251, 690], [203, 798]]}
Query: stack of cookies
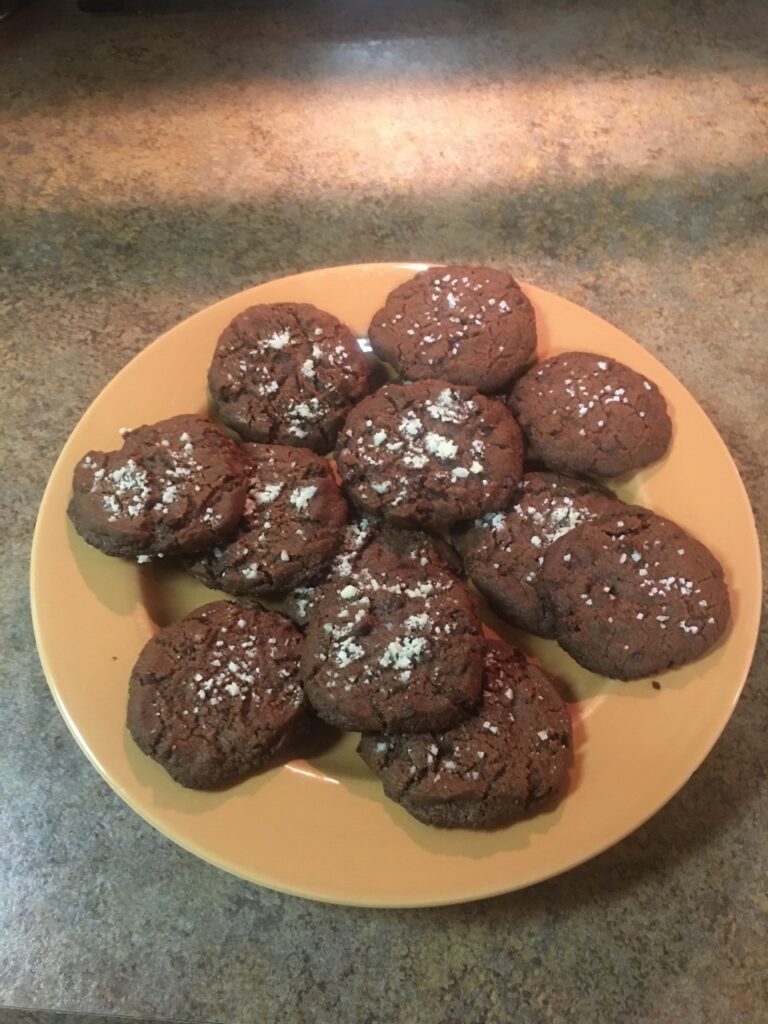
{"points": [[478, 465]]}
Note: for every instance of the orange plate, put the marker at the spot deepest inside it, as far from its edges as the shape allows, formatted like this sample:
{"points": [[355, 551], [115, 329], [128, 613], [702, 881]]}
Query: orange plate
{"points": [[321, 828]]}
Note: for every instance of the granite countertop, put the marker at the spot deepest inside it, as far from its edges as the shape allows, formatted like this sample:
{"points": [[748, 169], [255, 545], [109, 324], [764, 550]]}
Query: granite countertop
{"points": [[154, 162]]}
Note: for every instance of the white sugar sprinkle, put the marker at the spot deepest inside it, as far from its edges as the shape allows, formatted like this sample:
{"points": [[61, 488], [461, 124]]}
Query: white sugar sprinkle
{"points": [[442, 447], [278, 340], [301, 497], [268, 495], [403, 652]]}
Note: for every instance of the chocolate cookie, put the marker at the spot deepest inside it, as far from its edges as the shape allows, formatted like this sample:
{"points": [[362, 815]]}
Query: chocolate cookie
{"points": [[292, 524], [585, 413], [509, 758], [175, 486], [467, 325], [392, 646], [429, 454], [503, 551], [287, 373], [217, 695], [410, 546], [633, 594]]}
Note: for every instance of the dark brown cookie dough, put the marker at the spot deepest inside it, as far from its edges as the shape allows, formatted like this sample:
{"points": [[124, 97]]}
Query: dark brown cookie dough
{"points": [[585, 413], [287, 373], [513, 755], [416, 549], [429, 453], [217, 695], [394, 643], [467, 325], [175, 486], [503, 551], [291, 527], [633, 594], [298, 604]]}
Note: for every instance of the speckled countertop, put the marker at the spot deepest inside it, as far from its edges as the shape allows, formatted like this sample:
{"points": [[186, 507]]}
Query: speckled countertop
{"points": [[151, 163]]}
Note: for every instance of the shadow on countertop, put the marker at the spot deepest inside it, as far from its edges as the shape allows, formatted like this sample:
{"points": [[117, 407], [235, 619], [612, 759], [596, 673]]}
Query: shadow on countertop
{"points": [[195, 242], [20, 1015], [180, 43]]}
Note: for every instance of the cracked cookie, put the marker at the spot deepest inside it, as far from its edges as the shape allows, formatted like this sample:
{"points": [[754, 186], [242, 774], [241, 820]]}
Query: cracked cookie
{"points": [[585, 413], [633, 594], [287, 373], [175, 486], [503, 551], [291, 526], [429, 453], [217, 695], [467, 325], [415, 548], [393, 646], [509, 758]]}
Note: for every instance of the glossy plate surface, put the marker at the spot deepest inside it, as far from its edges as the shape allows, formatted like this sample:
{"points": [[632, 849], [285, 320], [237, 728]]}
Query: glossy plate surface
{"points": [[321, 828]]}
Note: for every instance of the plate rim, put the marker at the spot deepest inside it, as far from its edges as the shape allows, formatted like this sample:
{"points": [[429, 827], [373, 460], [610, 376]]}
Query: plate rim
{"points": [[480, 891]]}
